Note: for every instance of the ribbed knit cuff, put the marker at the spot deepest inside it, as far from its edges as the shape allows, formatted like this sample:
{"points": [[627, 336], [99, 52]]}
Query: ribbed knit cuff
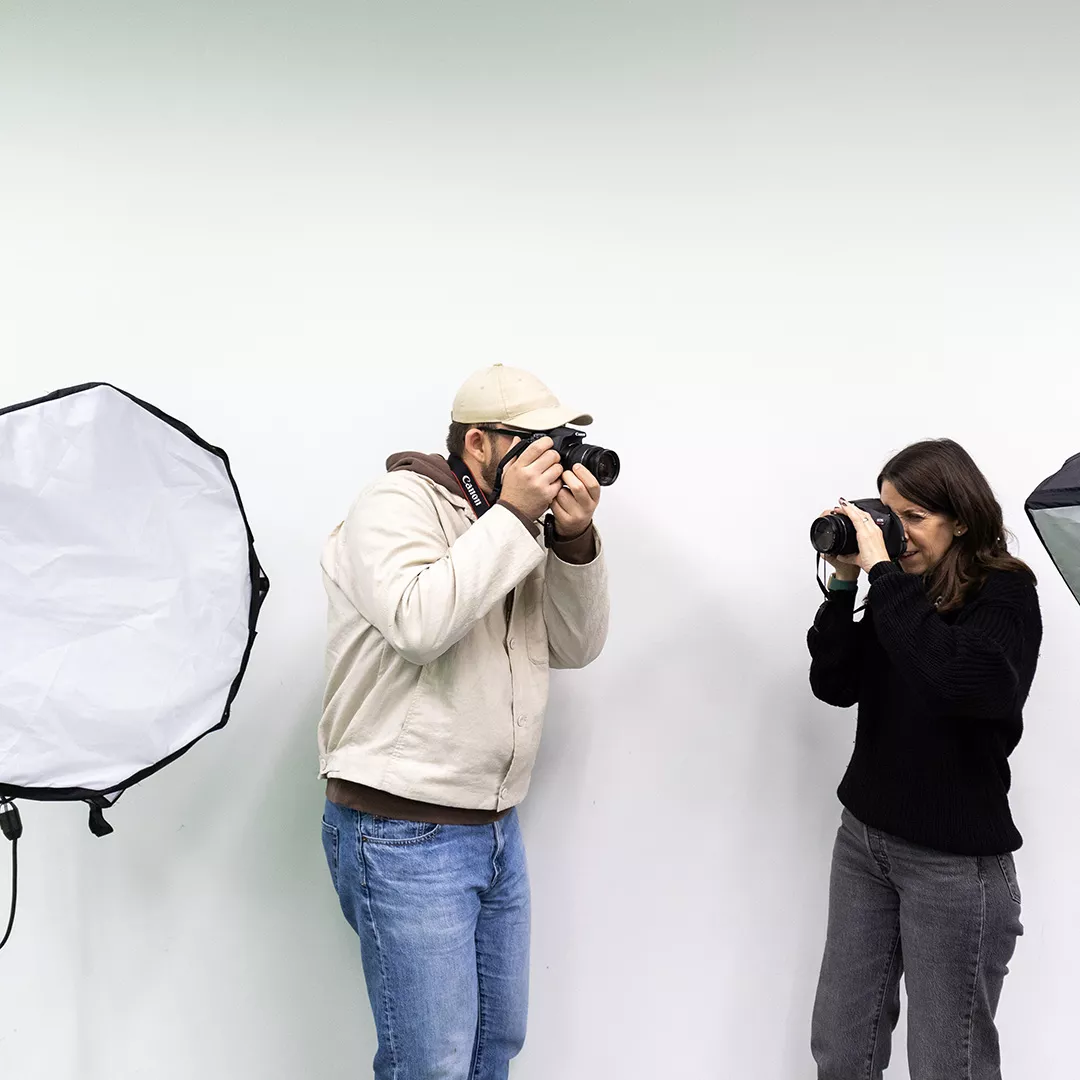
{"points": [[578, 550], [884, 569]]}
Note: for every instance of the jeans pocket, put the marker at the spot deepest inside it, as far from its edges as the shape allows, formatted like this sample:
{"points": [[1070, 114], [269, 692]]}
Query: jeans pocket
{"points": [[383, 830], [330, 849], [1008, 871], [535, 632]]}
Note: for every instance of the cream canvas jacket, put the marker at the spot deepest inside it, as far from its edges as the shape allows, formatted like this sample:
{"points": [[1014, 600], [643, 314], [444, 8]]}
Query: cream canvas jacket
{"points": [[436, 682]]}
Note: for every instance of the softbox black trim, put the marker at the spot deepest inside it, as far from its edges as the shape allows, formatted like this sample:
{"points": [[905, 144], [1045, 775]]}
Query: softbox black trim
{"points": [[260, 586], [1061, 489]]}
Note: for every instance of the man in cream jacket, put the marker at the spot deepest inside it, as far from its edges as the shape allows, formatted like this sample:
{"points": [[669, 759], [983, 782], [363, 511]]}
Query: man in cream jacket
{"points": [[446, 612]]}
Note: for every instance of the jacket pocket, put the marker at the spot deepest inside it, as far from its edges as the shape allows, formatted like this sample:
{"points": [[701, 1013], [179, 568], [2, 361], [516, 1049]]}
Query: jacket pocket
{"points": [[536, 635]]}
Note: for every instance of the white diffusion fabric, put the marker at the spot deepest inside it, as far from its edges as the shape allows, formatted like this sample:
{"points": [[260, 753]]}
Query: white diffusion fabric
{"points": [[125, 591]]}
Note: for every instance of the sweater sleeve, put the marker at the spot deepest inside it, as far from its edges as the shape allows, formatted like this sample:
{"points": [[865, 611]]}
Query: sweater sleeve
{"points": [[834, 646], [969, 667]]}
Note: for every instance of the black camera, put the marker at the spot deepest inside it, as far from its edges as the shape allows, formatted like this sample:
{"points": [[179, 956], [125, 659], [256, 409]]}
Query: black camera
{"points": [[571, 447], [834, 534]]}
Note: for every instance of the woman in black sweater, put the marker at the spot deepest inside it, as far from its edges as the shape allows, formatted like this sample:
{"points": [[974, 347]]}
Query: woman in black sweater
{"points": [[923, 881]]}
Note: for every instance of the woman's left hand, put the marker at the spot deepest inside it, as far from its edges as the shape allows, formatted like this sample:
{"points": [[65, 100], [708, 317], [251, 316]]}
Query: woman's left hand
{"points": [[871, 539]]}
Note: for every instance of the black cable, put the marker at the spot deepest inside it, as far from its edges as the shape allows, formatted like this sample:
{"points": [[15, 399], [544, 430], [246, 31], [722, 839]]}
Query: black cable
{"points": [[11, 825], [14, 890]]}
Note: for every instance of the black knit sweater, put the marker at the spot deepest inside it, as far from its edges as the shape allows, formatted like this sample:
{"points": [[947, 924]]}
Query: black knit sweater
{"points": [[940, 701]]}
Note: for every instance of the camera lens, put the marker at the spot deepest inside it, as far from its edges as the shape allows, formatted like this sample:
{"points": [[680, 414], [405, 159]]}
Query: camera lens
{"points": [[606, 467], [833, 534], [603, 464]]}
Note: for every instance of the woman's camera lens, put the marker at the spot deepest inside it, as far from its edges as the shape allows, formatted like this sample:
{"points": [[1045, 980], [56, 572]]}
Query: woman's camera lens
{"points": [[834, 534]]}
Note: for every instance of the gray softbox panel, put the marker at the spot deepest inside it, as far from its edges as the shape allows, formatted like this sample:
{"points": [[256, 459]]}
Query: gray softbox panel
{"points": [[1054, 510]]}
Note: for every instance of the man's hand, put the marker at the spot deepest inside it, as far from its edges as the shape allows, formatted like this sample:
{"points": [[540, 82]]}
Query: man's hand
{"points": [[532, 480], [576, 503]]}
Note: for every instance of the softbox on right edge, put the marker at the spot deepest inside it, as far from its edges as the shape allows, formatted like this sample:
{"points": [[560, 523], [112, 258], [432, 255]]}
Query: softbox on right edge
{"points": [[1054, 510]]}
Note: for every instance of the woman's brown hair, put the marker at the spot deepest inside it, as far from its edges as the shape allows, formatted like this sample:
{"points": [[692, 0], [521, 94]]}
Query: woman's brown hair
{"points": [[940, 475]]}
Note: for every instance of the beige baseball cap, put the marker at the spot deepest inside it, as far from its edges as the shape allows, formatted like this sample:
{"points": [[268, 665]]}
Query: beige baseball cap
{"points": [[506, 395]]}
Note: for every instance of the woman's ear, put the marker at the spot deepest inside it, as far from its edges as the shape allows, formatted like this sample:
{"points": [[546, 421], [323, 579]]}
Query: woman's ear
{"points": [[959, 529]]}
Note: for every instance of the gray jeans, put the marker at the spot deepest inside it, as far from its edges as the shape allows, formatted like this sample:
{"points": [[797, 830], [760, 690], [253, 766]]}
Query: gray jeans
{"points": [[948, 923]]}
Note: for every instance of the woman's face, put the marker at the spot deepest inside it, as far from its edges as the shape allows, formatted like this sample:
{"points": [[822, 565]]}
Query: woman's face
{"points": [[929, 535]]}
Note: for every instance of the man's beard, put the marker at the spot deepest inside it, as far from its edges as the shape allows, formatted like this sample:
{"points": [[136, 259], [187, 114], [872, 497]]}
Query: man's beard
{"points": [[490, 475]]}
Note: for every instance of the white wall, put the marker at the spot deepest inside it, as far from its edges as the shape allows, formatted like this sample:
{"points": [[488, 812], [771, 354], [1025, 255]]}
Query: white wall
{"points": [[768, 245]]}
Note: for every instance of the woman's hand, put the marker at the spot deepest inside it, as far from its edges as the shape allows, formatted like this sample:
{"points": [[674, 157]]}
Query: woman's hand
{"points": [[871, 539], [846, 567]]}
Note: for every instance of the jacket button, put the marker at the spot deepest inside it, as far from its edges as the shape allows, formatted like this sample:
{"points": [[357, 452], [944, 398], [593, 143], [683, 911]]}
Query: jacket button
{"points": [[513, 642], [522, 721]]}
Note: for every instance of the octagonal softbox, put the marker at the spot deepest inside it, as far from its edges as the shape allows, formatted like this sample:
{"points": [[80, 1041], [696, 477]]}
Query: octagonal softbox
{"points": [[129, 593], [1054, 510]]}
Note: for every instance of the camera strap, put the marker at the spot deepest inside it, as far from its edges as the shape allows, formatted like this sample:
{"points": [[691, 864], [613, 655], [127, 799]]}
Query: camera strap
{"points": [[470, 488], [825, 588], [482, 504], [818, 577]]}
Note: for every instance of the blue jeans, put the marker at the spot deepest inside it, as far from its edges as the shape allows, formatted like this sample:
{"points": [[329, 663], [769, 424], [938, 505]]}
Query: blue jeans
{"points": [[947, 923], [442, 912]]}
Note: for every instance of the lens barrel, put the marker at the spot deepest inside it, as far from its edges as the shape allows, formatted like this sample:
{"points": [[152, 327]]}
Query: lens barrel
{"points": [[834, 534], [603, 464]]}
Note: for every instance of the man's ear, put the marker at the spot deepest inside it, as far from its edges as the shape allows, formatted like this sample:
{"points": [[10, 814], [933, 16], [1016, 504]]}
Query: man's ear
{"points": [[474, 442]]}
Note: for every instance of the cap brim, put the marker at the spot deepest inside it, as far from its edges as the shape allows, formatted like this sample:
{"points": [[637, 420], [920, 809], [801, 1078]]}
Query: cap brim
{"points": [[546, 419]]}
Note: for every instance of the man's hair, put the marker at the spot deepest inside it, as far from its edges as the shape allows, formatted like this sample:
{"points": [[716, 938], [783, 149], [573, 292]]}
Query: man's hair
{"points": [[455, 438]]}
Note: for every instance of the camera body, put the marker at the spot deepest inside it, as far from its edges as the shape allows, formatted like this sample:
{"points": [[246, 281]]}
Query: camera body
{"points": [[570, 445], [834, 534]]}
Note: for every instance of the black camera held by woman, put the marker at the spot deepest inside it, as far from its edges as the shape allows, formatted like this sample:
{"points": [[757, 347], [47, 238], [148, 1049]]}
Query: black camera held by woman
{"points": [[834, 534], [570, 445]]}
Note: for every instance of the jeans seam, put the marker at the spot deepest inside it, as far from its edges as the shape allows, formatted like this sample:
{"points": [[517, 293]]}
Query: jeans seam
{"points": [[978, 966], [875, 1027], [1014, 889], [481, 1003], [361, 858], [333, 831], [495, 854], [388, 1012], [883, 863]]}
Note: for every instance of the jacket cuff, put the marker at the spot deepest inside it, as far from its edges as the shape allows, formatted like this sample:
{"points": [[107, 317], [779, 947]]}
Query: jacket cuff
{"points": [[533, 528], [580, 550]]}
